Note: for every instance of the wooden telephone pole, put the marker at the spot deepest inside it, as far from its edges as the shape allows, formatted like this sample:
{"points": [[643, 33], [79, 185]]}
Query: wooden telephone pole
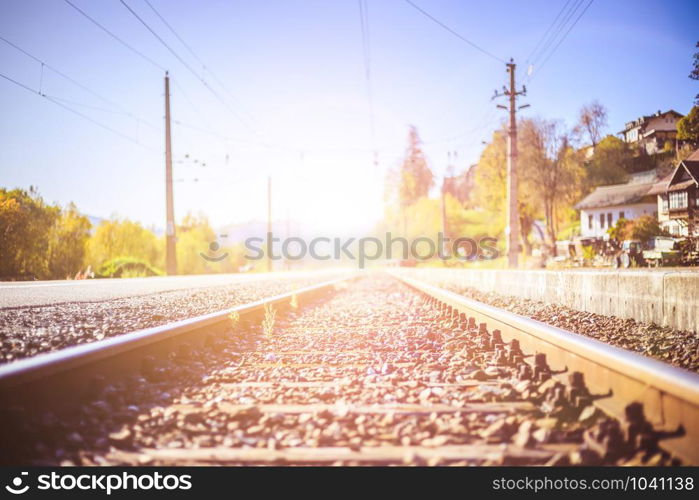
{"points": [[170, 236], [512, 207]]}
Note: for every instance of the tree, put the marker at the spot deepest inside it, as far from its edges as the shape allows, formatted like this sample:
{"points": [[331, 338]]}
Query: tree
{"points": [[416, 178], [553, 167], [123, 238], [610, 163], [694, 75], [592, 120], [25, 222], [642, 229], [194, 236], [491, 184], [688, 127], [67, 243]]}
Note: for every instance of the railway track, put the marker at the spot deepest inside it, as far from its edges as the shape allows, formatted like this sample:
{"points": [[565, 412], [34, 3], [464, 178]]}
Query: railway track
{"points": [[370, 370]]}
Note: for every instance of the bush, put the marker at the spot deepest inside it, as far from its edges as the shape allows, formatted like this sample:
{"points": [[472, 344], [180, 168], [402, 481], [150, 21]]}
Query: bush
{"points": [[643, 229], [127, 267]]}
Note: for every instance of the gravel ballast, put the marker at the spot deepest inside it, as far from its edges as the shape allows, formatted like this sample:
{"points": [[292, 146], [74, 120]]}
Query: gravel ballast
{"points": [[28, 331], [370, 374], [676, 347]]}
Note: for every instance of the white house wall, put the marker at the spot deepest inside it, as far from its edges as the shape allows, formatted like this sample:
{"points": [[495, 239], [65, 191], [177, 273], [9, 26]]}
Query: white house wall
{"points": [[630, 212]]}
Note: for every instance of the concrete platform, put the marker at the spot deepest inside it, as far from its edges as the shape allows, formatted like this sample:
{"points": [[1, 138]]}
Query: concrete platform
{"points": [[667, 297]]}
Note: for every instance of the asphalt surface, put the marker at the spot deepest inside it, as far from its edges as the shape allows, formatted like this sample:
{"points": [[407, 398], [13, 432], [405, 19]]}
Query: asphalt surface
{"points": [[41, 293]]}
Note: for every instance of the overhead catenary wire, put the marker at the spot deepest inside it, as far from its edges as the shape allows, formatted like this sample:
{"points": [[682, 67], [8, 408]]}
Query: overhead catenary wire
{"points": [[188, 66], [117, 38], [455, 33], [204, 66], [366, 52], [565, 35], [82, 86], [78, 113], [530, 57], [557, 31]]}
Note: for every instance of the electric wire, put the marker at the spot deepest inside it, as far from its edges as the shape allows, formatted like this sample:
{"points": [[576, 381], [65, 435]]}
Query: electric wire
{"points": [[565, 35], [456, 34], [78, 113], [118, 39], [189, 68], [87, 89]]}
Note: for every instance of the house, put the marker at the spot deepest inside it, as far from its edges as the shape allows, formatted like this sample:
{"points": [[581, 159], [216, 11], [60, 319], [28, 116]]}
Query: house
{"points": [[678, 198], [651, 132], [602, 208]]}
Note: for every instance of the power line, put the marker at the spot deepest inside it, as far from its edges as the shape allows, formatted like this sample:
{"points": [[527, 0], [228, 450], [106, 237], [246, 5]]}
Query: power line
{"points": [[76, 112], [172, 30], [571, 12], [172, 51], [548, 30], [26, 87], [74, 82], [366, 51], [566, 34], [458, 35], [185, 64], [131, 48], [199, 59], [101, 125]]}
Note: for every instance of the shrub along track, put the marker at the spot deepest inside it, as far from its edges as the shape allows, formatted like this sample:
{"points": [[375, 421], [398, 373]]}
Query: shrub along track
{"points": [[375, 373]]}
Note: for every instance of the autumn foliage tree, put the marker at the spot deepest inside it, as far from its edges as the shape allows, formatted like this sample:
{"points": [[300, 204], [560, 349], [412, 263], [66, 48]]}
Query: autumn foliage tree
{"points": [[643, 228], [416, 178], [408, 184], [688, 127], [68, 243], [25, 222], [119, 238], [39, 240], [592, 120], [549, 171], [554, 169], [491, 183]]}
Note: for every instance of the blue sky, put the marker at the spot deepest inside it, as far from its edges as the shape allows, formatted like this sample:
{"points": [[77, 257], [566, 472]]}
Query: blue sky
{"points": [[293, 70]]}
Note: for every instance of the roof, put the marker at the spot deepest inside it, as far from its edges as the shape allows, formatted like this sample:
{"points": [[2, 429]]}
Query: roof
{"points": [[618, 194], [693, 168], [660, 187], [643, 119], [682, 185], [678, 180], [687, 170], [693, 157]]}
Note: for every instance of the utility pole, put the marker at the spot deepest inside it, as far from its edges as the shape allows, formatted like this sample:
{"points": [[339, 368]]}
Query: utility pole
{"points": [[269, 223], [512, 208], [448, 173], [170, 236]]}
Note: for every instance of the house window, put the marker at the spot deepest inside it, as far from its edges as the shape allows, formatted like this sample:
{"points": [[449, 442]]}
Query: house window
{"points": [[621, 215], [601, 221], [678, 200], [609, 219], [589, 222], [664, 203]]}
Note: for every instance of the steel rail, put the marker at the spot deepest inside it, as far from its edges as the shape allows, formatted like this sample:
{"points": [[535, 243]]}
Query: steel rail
{"points": [[670, 395], [61, 378]]}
